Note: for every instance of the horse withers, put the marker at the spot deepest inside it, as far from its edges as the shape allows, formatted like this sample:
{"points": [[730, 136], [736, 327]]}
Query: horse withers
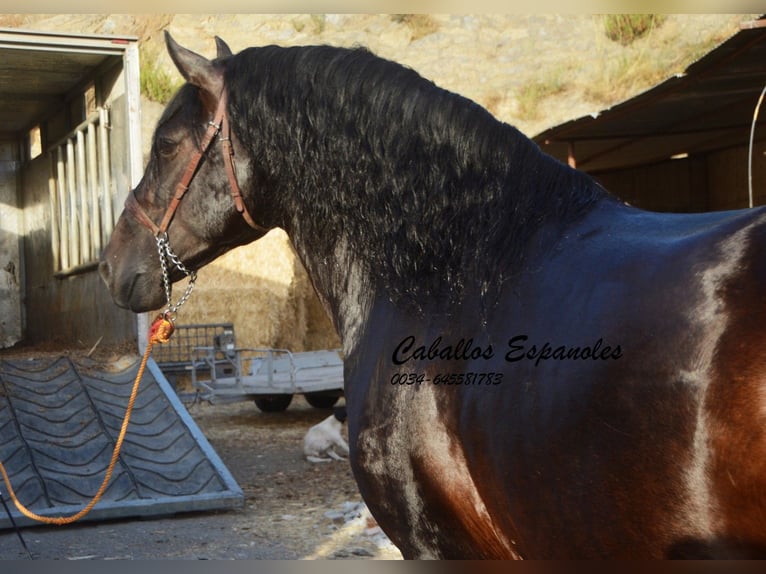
{"points": [[533, 369]]}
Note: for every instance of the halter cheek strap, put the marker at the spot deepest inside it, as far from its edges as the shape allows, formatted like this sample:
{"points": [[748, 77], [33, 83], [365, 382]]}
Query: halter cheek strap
{"points": [[220, 124], [228, 154]]}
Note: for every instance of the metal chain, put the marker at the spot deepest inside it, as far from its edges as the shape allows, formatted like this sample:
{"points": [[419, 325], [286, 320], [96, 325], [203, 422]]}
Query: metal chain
{"points": [[166, 254]]}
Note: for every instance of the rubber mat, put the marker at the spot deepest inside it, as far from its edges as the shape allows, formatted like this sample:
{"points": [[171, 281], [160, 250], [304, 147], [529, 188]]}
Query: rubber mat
{"points": [[59, 420]]}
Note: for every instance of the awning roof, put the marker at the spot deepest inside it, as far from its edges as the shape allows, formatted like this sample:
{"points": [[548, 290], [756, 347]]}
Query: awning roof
{"points": [[38, 70], [709, 107]]}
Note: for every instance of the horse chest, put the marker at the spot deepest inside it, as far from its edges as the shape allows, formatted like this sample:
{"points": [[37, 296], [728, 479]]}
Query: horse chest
{"points": [[417, 482]]}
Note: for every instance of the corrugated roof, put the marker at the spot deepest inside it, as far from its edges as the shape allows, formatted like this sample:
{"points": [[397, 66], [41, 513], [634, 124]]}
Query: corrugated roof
{"points": [[39, 69], [709, 107]]}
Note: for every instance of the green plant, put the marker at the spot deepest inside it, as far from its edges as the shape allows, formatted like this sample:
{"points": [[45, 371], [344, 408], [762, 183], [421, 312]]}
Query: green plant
{"points": [[156, 83], [626, 28]]}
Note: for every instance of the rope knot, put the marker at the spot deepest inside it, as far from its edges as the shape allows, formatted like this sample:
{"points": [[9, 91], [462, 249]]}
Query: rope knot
{"points": [[161, 330]]}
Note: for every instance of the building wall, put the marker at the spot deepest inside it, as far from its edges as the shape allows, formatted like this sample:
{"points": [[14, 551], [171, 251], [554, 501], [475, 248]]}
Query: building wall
{"points": [[714, 182]]}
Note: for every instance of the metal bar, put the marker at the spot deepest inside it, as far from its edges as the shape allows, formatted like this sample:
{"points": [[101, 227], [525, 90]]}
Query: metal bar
{"points": [[71, 191], [64, 41], [131, 68], [95, 207], [92, 118], [82, 191], [105, 169], [77, 270], [54, 203], [63, 202]]}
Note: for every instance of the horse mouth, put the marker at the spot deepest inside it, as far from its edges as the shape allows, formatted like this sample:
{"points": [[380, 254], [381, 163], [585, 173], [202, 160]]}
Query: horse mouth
{"points": [[138, 294]]}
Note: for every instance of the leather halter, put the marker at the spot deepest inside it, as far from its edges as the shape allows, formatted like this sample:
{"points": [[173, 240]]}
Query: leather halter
{"points": [[220, 124]]}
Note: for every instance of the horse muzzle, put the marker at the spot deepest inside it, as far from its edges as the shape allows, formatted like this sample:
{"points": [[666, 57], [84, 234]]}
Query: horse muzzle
{"points": [[139, 292], [132, 283]]}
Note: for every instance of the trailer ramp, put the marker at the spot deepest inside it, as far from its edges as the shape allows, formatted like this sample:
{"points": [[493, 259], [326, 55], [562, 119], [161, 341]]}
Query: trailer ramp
{"points": [[59, 420]]}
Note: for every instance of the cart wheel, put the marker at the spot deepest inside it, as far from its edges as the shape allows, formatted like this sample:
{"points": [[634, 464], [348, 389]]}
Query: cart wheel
{"points": [[320, 401], [274, 403]]}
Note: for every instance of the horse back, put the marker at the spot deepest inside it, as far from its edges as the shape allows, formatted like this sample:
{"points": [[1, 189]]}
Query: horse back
{"points": [[628, 368]]}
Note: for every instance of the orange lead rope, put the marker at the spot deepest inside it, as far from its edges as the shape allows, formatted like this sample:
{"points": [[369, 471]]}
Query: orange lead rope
{"points": [[159, 332]]}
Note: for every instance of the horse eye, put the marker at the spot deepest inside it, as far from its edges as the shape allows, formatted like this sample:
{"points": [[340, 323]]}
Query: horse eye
{"points": [[166, 146]]}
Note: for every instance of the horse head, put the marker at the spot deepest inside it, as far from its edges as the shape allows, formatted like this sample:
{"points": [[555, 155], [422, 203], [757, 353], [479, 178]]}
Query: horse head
{"points": [[189, 197]]}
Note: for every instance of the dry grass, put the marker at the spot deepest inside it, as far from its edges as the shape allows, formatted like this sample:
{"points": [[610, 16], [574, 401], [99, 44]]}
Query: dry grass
{"points": [[626, 28], [12, 20], [420, 25], [646, 62], [313, 24], [531, 95]]}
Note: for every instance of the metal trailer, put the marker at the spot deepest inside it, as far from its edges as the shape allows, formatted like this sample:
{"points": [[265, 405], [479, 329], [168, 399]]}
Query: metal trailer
{"points": [[70, 151], [270, 377], [222, 372]]}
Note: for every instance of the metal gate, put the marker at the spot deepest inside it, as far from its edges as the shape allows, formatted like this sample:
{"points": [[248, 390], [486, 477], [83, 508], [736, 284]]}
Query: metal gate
{"points": [[82, 216]]}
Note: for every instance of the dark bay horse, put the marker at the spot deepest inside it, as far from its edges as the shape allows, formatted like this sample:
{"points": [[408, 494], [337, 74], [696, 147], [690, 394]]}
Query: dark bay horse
{"points": [[533, 369]]}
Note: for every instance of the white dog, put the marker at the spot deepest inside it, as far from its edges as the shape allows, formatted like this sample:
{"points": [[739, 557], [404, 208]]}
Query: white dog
{"points": [[322, 440]]}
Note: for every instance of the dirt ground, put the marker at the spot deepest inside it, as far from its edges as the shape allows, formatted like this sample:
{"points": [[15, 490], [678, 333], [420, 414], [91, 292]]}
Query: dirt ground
{"points": [[293, 509], [293, 502]]}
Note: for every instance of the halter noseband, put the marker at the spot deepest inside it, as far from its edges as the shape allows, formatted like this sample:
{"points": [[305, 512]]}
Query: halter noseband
{"points": [[220, 124]]}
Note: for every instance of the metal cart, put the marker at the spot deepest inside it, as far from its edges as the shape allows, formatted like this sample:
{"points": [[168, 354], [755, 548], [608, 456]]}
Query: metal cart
{"points": [[221, 372], [270, 377]]}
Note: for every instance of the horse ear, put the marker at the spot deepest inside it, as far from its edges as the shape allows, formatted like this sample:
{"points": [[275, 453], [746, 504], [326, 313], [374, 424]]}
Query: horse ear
{"points": [[222, 47], [196, 69]]}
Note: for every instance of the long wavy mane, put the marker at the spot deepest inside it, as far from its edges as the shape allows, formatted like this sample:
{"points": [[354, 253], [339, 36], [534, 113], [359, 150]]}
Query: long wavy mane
{"points": [[436, 194]]}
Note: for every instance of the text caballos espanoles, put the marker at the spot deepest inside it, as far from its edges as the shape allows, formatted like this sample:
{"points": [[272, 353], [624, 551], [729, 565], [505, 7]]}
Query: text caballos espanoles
{"points": [[519, 349]]}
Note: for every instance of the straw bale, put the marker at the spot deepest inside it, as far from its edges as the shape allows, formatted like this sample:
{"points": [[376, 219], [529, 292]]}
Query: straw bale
{"points": [[264, 290]]}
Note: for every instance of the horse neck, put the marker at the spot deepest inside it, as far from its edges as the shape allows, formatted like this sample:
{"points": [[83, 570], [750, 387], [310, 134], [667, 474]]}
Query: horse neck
{"points": [[395, 190], [428, 257], [343, 283]]}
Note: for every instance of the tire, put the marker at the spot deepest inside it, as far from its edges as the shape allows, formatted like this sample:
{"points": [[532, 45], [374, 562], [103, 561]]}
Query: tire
{"points": [[273, 403], [320, 401]]}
